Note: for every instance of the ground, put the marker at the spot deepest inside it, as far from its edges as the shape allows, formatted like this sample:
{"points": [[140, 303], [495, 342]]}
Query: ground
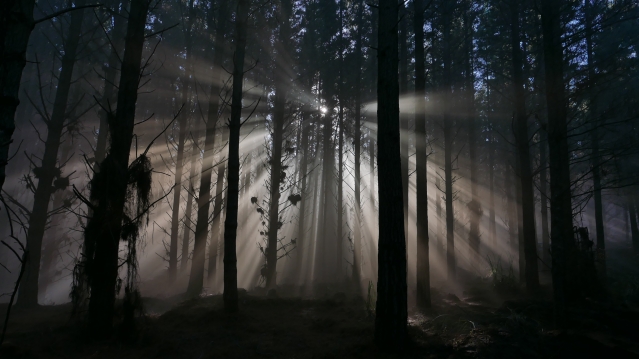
{"points": [[478, 324]]}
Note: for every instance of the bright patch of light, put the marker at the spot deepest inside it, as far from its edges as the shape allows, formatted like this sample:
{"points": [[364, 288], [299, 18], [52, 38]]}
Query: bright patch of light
{"points": [[324, 109]]}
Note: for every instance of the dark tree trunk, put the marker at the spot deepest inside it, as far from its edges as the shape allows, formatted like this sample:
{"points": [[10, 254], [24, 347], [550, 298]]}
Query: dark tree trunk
{"points": [[186, 236], [634, 229], [403, 118], [474, 206], [391, 310], [277, 171], [357, 144], [179, 164], [491, 188], [526, 177], [423, 252], [49, 170], [448, 146], [560, 199], [16, 27], [109, 98], [109, 186], [511, 208], [340, 157], [543, 184], [594, 137], [230, 223], [196, 280]]}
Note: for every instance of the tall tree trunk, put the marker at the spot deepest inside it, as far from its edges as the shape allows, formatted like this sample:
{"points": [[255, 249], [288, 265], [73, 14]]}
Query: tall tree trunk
{"points": [[109, 186], [48, 170], [527, 204], [340, 156], [474, 206], [423, 252], [448, 146], [560, 200], [196, 278], [357, 144], [403, 118], [277, 170], [16, 27], [179, 164], [230, 223], [391, 310], [510, 186], [594, 138]]}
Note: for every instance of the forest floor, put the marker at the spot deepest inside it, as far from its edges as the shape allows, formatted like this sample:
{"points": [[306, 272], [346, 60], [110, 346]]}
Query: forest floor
{"points": [[478, 323]]}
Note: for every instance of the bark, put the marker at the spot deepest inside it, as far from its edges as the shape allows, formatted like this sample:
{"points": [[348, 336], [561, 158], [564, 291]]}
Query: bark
{"points": [[16, 27], [179, 163], [230, 223], [560, 200], [109, 187], [423, 252], [196, 279], [511, 207], [526, 177], [391, 309], [48, 172]]}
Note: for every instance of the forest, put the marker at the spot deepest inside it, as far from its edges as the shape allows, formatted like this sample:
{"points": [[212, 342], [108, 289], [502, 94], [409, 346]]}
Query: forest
{"points": [[319, 178]]}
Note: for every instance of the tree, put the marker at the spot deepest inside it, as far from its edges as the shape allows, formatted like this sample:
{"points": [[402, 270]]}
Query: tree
{"points": [[560, 198], [391, 309], [109, 186], [230, 223], [423, 253], [196, 278], [49, 174], [525, 173]]}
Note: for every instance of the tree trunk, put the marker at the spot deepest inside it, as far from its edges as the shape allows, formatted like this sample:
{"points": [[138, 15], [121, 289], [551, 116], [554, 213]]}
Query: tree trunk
{"points": [[109, 186], [474, 206], [560, 200], [17, 24], [543, 181], [526, 177], [423, 252], [403, 118], [48, 172], [391, 310], [357, 144], [196, 278], [109, 98], [179, 164], [230, 223], [594, 137], [217, 212], [448, 147], [186, 236], [634, 229]]}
